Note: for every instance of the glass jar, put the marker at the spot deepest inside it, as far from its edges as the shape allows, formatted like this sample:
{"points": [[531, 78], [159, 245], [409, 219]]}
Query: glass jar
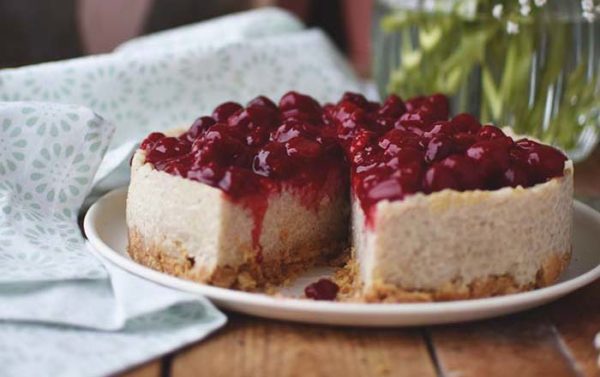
{"points": [[529, 64]]}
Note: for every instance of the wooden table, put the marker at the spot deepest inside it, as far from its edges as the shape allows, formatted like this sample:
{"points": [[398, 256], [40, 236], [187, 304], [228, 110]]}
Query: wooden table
{"points": [[553, 340]]}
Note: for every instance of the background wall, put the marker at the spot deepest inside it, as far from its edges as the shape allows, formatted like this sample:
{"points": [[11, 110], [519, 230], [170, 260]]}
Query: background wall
{"points": [[33, 31]]}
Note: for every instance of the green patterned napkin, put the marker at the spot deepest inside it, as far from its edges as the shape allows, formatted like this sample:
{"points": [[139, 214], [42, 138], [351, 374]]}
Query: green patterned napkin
{"points": [[63, 310]]}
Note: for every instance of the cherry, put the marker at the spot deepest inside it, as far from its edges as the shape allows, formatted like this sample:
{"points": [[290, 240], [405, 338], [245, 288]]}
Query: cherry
{"points": [[348, 117], [291, 128], [465, 171], [210, 172], [257, 137], [404, 156], [413, 126], [366, 158], [221, 143], [222, 131], [296, 105], [440, 127], [492, 157], [394, 139], [439, 106], [409, 173], [357, 99], [262, 101], [323, 289], [414, 103], [419, 118], [263, 116], [238, 181], [166, 148], [463, 141], [225, 110], [515, 175], [253, 124], [199, 127], [272, 161], [439, 147], [301, 147], [489, 132], [362, 140], [439, 177], [465, 123], [151, 139], [527, 144], [543, 162], [381, 125], [393, 107], [179, 167]]}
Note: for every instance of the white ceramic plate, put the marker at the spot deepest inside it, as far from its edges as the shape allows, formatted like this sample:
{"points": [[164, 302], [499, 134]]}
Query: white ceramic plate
{"points": [[106, 230]]}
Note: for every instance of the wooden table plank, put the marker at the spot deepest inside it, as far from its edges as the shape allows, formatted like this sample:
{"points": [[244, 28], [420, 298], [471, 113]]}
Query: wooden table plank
{"points": [[520, 345], [151, 369], [577, 320], [257, 347]]}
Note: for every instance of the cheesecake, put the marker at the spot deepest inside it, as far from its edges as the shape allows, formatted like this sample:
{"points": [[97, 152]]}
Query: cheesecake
{"points": [[425, 206]]}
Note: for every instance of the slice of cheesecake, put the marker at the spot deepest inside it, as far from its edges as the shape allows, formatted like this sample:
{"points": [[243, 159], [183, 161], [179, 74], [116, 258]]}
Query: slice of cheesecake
{"points": [[448, 209], [246, 197], [454, 245]]}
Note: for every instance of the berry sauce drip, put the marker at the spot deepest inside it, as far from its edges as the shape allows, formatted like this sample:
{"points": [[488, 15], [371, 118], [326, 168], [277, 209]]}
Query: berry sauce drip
{"points": [[392, 150], [323, 289]]}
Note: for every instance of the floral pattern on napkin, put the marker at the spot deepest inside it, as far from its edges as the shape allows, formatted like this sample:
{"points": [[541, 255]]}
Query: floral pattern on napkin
{"points": [[48, 156]]}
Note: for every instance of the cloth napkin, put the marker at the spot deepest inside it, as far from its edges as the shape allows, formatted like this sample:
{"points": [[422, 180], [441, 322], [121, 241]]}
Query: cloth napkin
{"points": [[67, 130]]}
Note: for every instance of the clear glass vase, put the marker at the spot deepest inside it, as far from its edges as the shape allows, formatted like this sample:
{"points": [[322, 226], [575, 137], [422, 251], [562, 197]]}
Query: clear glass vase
{"points": [[531, 65]]}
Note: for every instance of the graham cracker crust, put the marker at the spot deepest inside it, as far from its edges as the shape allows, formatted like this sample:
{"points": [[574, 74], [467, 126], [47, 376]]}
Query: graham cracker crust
{"points": [[250, 276], [351, 289], [268, 277]]}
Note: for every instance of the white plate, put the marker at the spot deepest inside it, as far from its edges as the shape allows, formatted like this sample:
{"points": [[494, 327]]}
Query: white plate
{"points": [[106, 230]]}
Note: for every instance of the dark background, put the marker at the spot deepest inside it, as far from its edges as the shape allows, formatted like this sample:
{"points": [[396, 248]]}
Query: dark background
{"points": [[34, 31]]}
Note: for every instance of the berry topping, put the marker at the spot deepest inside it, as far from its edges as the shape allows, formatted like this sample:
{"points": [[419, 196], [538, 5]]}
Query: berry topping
{"points": [[301, 147], [225, 110], [151, 139], [465, 123], [492, 158], [543, 162], [393, 107], [438, 147], [324, 289], [466, 172], [391, 151], [489, 132], [166, 148], [300, 106], [270, 161], [439, 177], [199, 127]]}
